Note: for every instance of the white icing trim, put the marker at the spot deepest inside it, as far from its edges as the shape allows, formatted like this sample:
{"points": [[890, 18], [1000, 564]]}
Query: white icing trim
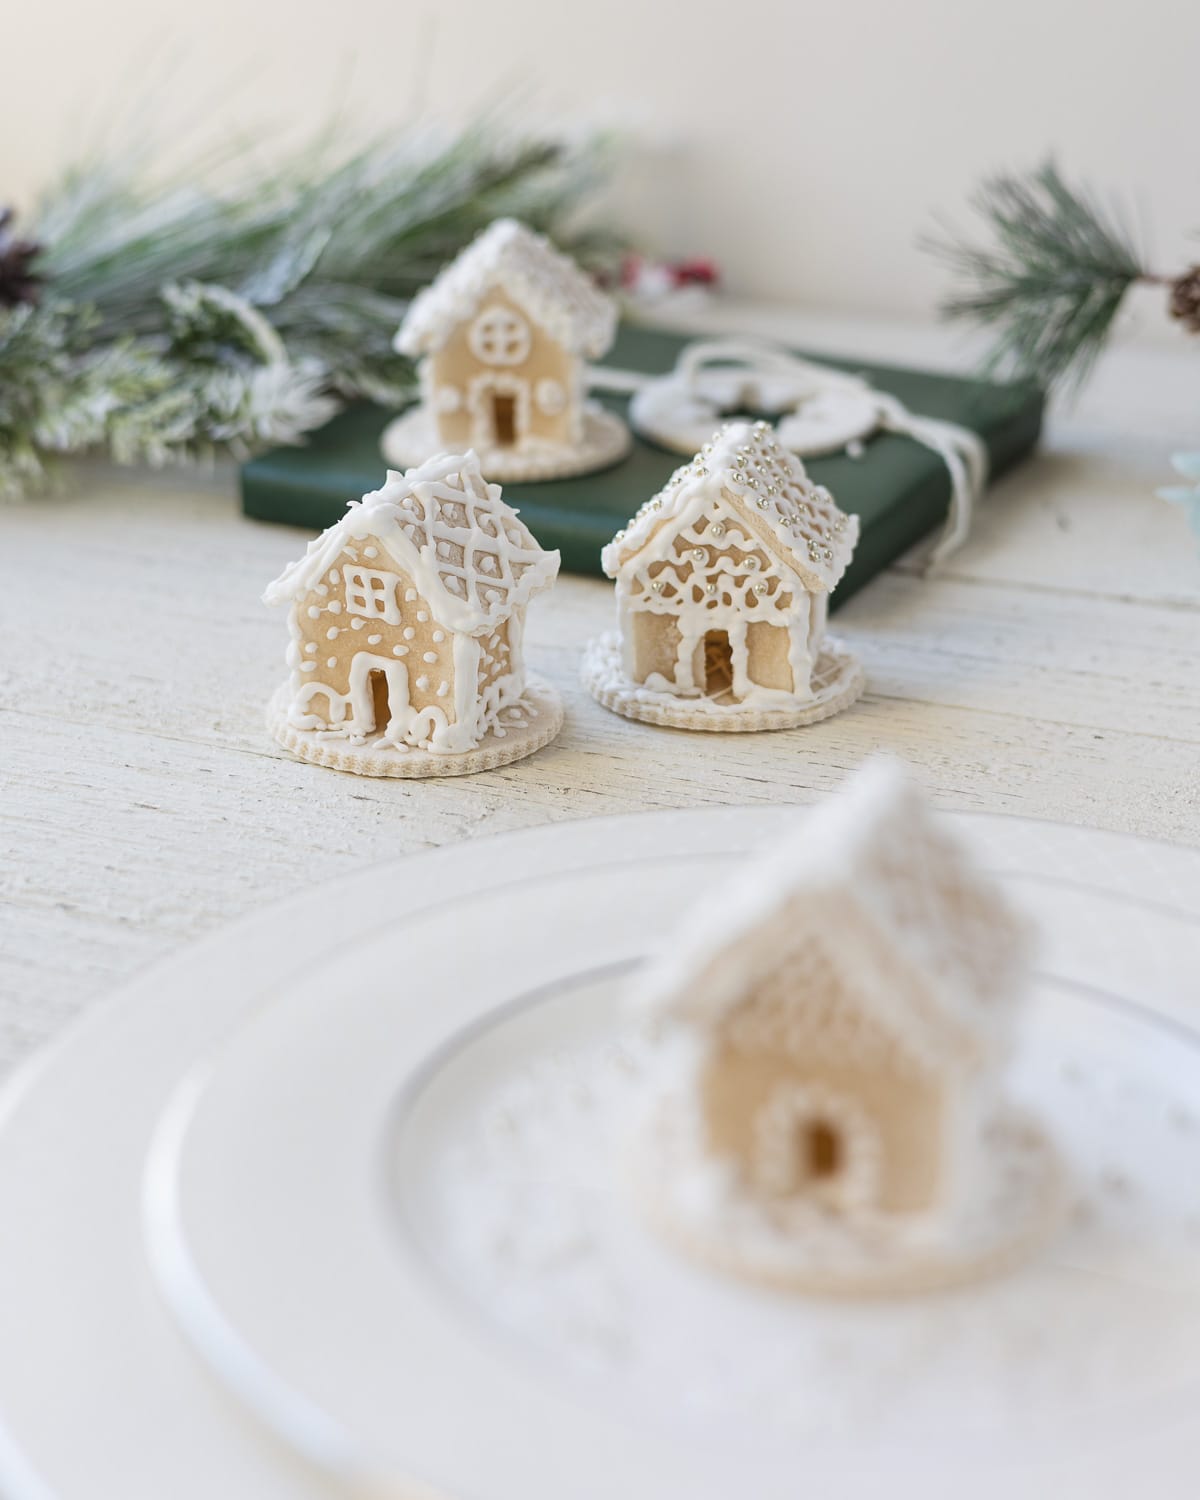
{"points": [[371, 594], [500, 336], [532, 273]]}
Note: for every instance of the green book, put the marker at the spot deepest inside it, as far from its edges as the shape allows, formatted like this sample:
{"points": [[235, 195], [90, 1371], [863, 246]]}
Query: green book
{"points": [[899, 489]]}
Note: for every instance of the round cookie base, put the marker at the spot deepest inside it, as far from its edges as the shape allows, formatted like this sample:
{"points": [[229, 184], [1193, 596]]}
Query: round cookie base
{"points": [[412, 438], [1015, 1212], [540, 717], [838, 681]]}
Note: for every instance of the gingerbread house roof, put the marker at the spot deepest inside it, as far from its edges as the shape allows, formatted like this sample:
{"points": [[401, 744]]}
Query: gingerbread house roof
{"points": [[747, 469], [466, 551], [911, 927], [551, 288]]}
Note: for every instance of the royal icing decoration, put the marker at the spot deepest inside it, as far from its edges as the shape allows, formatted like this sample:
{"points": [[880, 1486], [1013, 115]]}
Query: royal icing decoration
{"points": [[722, 587], [451, 570]]}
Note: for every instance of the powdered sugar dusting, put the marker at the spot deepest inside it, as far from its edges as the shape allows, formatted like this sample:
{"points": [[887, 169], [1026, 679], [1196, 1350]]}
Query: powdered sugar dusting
{"points": [[523, 1206]]}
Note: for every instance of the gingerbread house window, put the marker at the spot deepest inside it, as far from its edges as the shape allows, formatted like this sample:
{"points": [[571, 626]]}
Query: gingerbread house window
{"points": [[500, 336], [372, 594]]}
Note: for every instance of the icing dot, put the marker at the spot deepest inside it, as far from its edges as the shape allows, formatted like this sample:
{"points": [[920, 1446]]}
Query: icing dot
{"points": [[357, 623], [422, 682], [370, 551], [331, 661], [322, 590], [399, 650], [439, 636], [308, 666], [409, 633], [422, 615], [311, 648], [443, 689], [430, 657], [334, 575], [374, 640], [335, 607], [332, 633], [410, 595], [313, 612]]}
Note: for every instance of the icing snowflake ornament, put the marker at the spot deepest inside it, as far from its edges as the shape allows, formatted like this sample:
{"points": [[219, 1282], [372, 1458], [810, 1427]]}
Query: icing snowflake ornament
{"points": [[815, 409], [723, 581], [406, 621], [827, 1110], [502, 336]]}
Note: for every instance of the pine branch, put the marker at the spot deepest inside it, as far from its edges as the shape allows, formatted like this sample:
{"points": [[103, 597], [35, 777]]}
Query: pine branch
{"points": [[181, 321], [1049, 279]]}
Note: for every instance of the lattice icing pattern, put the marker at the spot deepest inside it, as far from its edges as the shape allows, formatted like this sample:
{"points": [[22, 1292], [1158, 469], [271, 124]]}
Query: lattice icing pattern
{"points": [[467, 551]]}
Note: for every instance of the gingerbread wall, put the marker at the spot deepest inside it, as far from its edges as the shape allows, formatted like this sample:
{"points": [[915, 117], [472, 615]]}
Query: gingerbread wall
{"points": [[328, 636], [455, 368]]}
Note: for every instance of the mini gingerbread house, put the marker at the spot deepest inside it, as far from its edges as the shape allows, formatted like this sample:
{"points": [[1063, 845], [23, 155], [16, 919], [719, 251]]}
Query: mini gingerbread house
{"points": [[723, 580], [502, 336], [837, 1021], [406, 625]]}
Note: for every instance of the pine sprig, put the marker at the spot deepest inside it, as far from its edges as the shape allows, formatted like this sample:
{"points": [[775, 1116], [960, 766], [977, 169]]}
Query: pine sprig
{"points": [[177, 322], [1049, 279]]}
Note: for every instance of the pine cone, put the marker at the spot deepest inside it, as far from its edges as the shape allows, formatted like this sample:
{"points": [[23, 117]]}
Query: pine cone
{"points": [[1185, 299], [18, 281]]}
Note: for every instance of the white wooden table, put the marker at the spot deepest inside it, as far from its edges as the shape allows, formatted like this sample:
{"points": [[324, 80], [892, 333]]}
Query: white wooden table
{"points": [[1052, 669]]}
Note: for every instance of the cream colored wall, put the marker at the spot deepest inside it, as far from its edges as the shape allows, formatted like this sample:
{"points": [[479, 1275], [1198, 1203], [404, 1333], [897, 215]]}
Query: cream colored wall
{"points": [[801, 145]]}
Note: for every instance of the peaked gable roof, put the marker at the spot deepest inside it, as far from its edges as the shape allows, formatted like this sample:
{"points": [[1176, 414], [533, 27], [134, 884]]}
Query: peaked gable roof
{"points": [[746, 467], [928, 942], [466, 551], [546, 283]]}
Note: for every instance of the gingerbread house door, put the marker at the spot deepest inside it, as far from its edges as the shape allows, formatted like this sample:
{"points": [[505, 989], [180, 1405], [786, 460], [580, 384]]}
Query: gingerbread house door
{"points": [[500, 411]]}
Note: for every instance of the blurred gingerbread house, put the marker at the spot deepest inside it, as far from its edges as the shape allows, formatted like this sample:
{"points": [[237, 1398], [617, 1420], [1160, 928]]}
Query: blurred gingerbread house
{"points": [[837, 1020], [503, 335]]}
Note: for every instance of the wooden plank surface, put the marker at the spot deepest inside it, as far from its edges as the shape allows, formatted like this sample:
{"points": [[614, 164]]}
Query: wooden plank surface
{"points": [[1052, 670]]}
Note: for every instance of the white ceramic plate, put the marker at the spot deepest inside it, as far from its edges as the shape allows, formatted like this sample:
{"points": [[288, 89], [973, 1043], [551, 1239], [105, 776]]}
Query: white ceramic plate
{"points": [[99, 1396], [391, 1208]]}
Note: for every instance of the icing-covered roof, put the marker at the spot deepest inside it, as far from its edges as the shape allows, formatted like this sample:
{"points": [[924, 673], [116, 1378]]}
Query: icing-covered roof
{"points": [[916, 933], [551, 288], [466, 551], [748, 469]]}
